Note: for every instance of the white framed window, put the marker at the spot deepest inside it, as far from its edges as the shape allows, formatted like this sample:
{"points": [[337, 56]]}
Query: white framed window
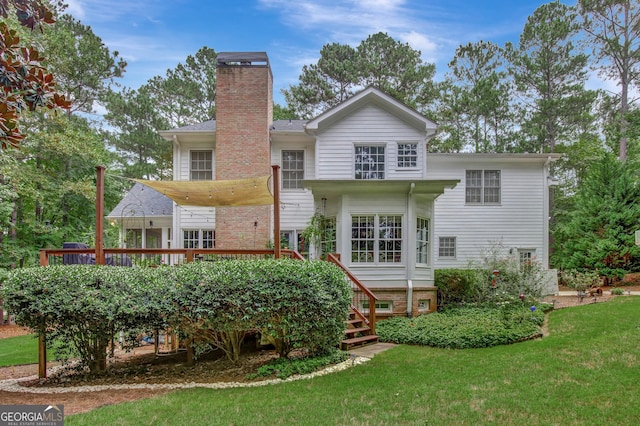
{"points": [[198, 238], [447, 247], [201, 165], [482, 187], [328, 242], [407, 155], [382, 307], [293, 240], [292, 169], [369, 162], [376, 239], [422, 240], [526, 257]]}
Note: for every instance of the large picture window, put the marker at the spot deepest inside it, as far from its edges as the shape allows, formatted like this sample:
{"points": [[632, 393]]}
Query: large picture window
{"points": [[482, 187], [292, 169], [369, 162], [201, 165], [376, 239]]}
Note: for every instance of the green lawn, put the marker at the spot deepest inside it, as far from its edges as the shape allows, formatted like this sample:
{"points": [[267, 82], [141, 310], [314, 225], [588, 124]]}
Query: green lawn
{"points": [[18, 350], [587, 372]]}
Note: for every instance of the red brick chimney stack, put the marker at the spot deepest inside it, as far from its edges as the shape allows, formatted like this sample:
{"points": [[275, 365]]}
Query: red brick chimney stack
{"points": [[244, 113]]}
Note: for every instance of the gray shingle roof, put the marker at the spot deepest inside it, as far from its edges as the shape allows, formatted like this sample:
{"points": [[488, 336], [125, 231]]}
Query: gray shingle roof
{"points": [[288, 125], [142, 201]]}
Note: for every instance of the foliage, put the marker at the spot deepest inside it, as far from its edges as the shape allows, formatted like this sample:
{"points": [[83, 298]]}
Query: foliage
{"points": [[617, 291], [283, 368], [294, 304], [464, 328], [550, 75], [611, 27], [83, 65], [459, 286], [378, 61], [82, 306], [26, 84], [598, 233], [580, 280]]}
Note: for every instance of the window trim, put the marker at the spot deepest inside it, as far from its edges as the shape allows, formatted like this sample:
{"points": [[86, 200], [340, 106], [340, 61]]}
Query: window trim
{"points": [[455, 247], [376, 240], [191, 161], [283, 170], [426, 243], [384, 159], [417, 156], [483, 187], [201, 238]]}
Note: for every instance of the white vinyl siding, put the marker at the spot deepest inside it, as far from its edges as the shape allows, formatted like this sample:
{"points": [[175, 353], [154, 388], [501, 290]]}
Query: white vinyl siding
{"points": [[369, 125]]}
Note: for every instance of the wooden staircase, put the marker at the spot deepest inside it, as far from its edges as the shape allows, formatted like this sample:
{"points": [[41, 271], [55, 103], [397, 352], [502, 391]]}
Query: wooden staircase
{"points": [[358, 333]]}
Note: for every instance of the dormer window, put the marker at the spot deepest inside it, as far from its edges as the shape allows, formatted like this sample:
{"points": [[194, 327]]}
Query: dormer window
{"points": [[369, 162]]}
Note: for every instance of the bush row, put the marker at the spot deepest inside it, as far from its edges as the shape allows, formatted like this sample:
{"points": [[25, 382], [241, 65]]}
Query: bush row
{"points": [[293, 304]]}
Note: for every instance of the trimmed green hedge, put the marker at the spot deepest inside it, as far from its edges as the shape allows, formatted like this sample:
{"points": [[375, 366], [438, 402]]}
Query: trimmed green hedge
{"points": [[294, 304]]}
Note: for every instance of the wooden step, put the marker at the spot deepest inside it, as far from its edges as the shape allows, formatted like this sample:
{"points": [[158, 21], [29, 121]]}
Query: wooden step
{"points": [[358, 341], [363, 330]]}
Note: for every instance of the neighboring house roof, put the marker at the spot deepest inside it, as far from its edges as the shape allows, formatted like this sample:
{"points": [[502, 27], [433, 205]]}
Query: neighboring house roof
{"points": [[369, 96], [142, 201]]}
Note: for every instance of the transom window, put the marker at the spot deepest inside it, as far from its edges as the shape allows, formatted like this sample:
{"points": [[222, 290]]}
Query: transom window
{"points": [[376, 239], [292, 169], [198, 238], [407, 155], [447, 247], [369, 162], [201, 165], [482, 187], [422, 240]]}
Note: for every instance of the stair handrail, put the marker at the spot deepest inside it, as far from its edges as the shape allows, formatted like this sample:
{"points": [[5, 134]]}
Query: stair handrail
{"points": [[371, 321]]}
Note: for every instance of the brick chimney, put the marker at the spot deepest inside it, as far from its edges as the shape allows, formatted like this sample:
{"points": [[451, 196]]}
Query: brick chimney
{"points": [[244, 113]]}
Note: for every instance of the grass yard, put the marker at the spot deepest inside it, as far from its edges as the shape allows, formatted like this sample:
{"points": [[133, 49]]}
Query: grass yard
{"points": [[18, 350], [586, 372]]}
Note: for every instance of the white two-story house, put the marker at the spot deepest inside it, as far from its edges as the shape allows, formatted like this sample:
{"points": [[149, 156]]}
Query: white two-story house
{"points": [[397, 212]]}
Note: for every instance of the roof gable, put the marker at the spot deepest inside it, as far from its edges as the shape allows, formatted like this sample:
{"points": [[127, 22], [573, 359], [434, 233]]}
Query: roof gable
{"points": [[371, 95]]}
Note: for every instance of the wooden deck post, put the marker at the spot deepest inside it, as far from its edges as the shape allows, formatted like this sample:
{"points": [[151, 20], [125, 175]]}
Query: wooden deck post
{"points": [[99, 215]]}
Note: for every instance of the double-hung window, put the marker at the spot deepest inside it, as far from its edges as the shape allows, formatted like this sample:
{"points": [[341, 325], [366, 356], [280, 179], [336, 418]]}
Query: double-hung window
{"points": [[447, 247], [407, 155], [292, 169], [369, 162], [376, 239], [201, 165], [199, 238], [482, 187]]}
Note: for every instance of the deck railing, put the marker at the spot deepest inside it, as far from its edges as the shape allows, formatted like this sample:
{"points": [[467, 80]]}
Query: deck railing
{"points": [[154, 257], [364, 301]]}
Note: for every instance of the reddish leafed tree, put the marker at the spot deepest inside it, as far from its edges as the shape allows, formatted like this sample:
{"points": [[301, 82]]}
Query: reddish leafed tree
{"points": [[24, 82]]}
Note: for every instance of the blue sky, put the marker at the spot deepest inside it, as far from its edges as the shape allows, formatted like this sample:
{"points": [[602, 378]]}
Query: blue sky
{"points": [[154, 35]]}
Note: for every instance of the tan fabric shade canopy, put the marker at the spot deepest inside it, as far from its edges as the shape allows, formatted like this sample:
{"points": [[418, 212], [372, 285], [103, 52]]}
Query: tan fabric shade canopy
{"points": [[211, 193]]}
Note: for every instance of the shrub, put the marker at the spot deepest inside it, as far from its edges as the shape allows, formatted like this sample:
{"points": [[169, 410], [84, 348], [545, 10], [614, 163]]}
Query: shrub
{"points": [[580, 280], [617, 291], [463, 328], [83, 306]]}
